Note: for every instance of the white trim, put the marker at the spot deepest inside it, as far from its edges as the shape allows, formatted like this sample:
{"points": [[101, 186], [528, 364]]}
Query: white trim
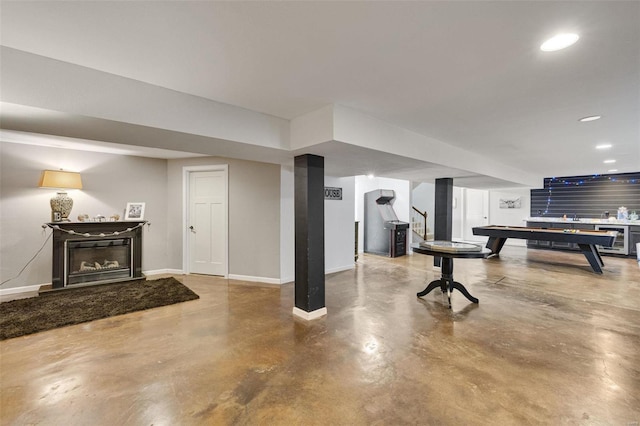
{"points": [[185, 211], [255, 279], [309, 316], [24, 289], [164, 271], [287, 280], [340, 269]]}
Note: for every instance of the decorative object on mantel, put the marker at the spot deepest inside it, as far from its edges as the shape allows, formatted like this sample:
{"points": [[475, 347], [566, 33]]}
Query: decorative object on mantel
{"points": [[102, 234], [59, 308], [98, 218], [61, 204], [134, 211]]}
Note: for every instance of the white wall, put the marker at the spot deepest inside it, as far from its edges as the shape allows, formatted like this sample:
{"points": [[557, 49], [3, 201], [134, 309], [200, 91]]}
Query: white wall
{"points": [[475, 212], [513, 217], [109, 182], [339, 239], [496, 215], [287, 225], [401, 204], [458, 214], [339, 227], [423, 197]]}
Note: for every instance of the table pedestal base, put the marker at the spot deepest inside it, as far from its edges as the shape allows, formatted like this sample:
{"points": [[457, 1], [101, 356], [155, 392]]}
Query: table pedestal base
{"points": [[447, 284]]}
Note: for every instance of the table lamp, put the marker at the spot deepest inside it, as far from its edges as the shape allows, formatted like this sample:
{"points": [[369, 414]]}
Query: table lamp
{"points": [[61, 203]]}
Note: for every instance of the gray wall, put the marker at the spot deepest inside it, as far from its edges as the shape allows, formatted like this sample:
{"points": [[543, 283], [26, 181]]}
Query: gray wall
{"points": [[254, 215], [339, 226], [109, 180]]}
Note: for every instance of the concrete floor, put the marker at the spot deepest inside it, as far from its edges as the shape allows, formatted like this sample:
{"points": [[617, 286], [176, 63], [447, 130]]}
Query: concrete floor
{"points": [[550, 343]]}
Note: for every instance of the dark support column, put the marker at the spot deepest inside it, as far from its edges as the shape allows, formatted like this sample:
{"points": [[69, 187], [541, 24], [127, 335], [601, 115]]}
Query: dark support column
{"points": [[309, 217], [443, 221]]}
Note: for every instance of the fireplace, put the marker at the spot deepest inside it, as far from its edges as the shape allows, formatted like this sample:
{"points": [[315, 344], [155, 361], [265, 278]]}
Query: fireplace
{"points": [[98, 260], [96, 252]]}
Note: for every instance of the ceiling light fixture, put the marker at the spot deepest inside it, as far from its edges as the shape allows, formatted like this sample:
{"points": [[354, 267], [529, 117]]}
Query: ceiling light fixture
{"points": [[609, 161], [590, 118], [604, 146], [559, 42], [612, 170]]}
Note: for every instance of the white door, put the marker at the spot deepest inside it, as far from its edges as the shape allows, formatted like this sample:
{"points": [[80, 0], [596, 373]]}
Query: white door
{"points": [[207, 224], [476, 203]]}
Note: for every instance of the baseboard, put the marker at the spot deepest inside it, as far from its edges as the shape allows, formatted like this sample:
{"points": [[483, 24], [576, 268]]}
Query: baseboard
{"points": [[286, 280], [164, 271], [24, 289], [255, 279], [292, 279], [250, 278], [309, 316], [230, 276], [340, 269]]}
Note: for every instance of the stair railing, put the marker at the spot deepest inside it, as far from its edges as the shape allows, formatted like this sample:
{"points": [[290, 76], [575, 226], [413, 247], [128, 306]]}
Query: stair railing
{"points": [[424, 217]]}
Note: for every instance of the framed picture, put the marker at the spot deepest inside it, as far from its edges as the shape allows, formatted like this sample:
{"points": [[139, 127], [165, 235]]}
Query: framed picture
{"points": [[513, 203], [134, 211]]}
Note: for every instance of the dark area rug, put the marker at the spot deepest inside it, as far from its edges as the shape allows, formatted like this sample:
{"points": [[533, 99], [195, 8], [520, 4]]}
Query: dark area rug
{"points": [[76, 305]]}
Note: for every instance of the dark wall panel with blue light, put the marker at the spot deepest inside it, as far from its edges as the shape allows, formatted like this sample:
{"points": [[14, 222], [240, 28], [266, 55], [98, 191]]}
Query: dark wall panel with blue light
{"points": [[586, 196]]}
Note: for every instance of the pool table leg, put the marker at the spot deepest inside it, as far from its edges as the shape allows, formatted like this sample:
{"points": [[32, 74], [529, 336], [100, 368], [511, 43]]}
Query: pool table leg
{"points": [[591, 253], [495, 244]]}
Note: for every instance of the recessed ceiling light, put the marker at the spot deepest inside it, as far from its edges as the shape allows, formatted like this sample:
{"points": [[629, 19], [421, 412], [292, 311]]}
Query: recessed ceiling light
{"points": [[604, 146], [609, 161], [590, 118], [612, 170], [559, 42], [370, 176]]}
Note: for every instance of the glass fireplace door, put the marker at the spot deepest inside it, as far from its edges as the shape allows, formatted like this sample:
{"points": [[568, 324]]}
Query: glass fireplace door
{"points": [[98, 260]]}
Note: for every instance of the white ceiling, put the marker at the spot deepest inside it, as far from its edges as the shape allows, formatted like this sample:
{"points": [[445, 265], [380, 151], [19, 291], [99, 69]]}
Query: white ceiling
{"points": [[469, 74]]}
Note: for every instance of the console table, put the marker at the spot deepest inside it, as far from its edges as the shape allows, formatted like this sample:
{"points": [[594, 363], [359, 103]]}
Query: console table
{"points": [[446, 282]]}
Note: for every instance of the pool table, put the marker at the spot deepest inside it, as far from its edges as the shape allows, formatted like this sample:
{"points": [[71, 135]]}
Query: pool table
{"points": [[587, 240]]}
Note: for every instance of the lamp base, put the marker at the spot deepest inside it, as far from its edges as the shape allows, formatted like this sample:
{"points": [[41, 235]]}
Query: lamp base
{"points": [[61, 206]]}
